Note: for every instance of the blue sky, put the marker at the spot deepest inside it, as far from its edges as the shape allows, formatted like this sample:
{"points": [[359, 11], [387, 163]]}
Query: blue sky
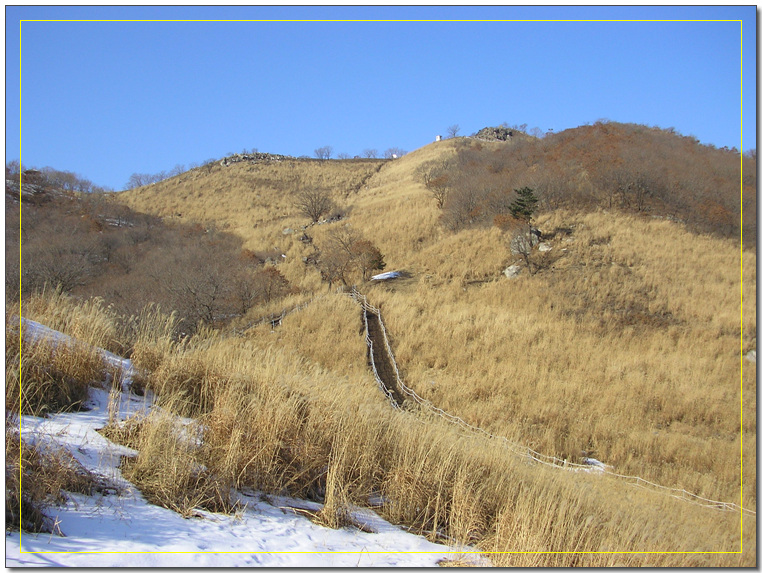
{"points": [[108, 99]]}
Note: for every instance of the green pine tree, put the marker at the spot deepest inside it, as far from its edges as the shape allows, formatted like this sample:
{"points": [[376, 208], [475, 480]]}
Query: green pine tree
{"points": [[523, 207]]}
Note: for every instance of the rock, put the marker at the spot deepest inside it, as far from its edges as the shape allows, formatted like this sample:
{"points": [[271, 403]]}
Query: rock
{"points": [[513, 271], [751, 356], [255, 158], [544, 247], [288, 231], [494, 134]]}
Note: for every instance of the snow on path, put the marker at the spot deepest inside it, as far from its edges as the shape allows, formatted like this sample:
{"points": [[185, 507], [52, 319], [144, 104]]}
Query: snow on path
{"points": [[125, 530]]}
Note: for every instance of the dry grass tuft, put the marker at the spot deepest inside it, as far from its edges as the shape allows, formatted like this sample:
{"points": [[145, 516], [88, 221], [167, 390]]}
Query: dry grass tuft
{"points": [[46, 376], [37, 479], [90, 321], [167, 469]]}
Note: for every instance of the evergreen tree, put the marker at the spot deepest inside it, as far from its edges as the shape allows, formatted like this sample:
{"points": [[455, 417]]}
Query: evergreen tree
{"points": [[523, 207]]}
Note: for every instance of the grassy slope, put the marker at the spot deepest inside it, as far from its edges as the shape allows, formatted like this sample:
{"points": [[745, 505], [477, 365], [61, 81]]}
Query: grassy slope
{"points": [[630, 345], [254, 201]]}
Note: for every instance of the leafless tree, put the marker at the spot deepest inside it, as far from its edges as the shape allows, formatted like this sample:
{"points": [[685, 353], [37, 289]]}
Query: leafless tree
{"points": [[314, 202], [394, 152], [13, 169], [140, 180], [367, 257], [64, 260], [464, 206], [436, 176], [370, 153], [177, 170], [324, 152], [453, 130]]}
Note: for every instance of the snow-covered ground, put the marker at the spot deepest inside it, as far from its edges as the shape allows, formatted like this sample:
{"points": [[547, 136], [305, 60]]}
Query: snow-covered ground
{"points": [[120, 528]]}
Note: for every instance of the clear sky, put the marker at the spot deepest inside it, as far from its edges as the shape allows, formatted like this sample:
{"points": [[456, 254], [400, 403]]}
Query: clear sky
{"points": [[107, 99]]}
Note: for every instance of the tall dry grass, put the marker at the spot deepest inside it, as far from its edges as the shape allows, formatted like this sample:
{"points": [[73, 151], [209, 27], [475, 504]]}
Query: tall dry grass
{"points": [[167, 468], [285, 419], [624, 349], [45, 376], [627, 345], [91, 321], [37, 479], [256, 201], [276, 429]]}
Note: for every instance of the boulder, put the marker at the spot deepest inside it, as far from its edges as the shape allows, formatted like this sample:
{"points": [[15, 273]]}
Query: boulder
{"points": [[495, 133], [513, 271]]}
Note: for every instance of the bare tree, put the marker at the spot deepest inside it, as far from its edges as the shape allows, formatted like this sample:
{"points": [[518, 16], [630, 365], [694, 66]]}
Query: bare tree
{"points": [[333, 266], [370, 153], [453, 130], [63, 258], [314, 202], [436, 177], [324, 152], [394, 153], [142, 179], [537, 132], [272, 284], [13, 169], [177, 170], [522, 245], [464, 206]]}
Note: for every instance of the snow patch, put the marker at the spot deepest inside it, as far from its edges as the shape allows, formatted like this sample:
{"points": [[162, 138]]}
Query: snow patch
{"points": [[386, 276]]}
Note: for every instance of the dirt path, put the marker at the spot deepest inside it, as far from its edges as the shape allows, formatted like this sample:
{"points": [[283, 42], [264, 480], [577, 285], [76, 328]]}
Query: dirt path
{"points": [[381, 358]]}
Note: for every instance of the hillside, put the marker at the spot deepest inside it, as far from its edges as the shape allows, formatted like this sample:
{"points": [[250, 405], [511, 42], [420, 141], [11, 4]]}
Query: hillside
{"points": [[622, 338], [653, 282]]}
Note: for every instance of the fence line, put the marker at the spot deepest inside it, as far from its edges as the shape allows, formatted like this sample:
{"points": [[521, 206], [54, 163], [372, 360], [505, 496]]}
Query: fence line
{"points": [[386, 391], [518, 449]]}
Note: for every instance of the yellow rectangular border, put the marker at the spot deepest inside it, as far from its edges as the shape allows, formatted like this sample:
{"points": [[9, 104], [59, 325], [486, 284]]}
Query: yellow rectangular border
{"points": [[402, 21]]}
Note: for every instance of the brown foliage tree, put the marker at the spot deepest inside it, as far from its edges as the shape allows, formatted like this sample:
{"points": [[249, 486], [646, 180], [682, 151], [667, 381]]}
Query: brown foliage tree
{"points": [[347, 252], [367, 257]]}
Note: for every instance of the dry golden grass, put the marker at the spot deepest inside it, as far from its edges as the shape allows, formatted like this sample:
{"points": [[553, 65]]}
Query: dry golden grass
{"points": [[167, 469], [256, 201], [632, 352], [628, 343], [283, 424], [44, 376], [91, 321], [285, 419]]}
